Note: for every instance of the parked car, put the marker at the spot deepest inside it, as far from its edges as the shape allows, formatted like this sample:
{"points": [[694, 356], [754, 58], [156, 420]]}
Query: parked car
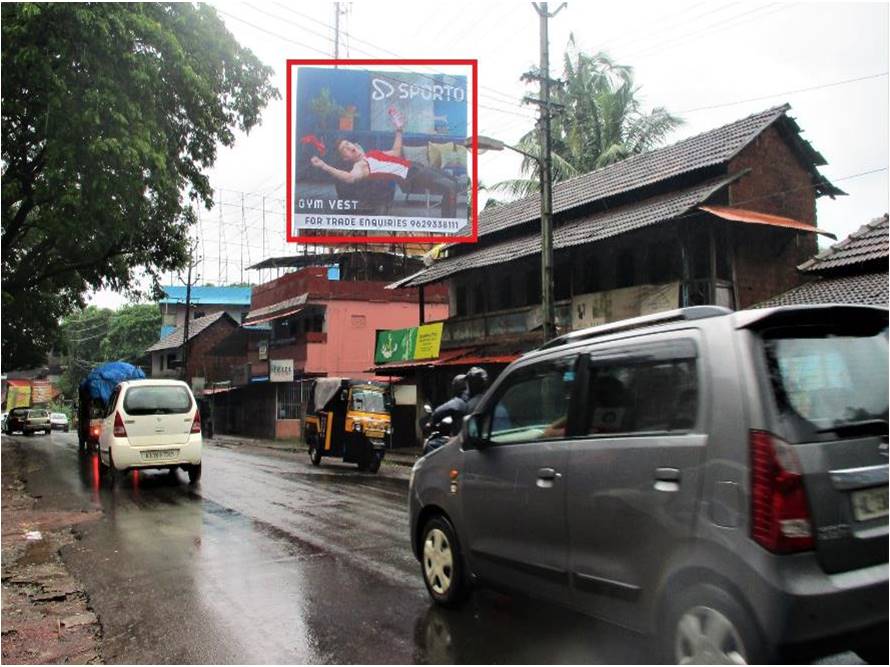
{"points": [[28, 421], [59, 421], [151, 424], [717, 479]]}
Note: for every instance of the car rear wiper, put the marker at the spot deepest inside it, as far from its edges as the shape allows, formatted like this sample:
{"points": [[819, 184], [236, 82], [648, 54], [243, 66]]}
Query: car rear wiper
{"points": [[865, 426]]}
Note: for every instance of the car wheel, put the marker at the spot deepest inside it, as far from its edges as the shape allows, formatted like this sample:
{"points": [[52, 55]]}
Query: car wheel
{"points": [[374, 463], [874, 651], [441, 564], [314, 454], [194, 472], [706, 625]]}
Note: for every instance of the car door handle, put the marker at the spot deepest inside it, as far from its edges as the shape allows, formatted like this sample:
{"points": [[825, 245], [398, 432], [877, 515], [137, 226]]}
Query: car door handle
{"points": [[667, 479], [548, 473]]}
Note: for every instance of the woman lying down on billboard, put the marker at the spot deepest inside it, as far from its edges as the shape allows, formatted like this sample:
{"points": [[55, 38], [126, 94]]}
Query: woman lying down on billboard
{"points": [[390, 165]]}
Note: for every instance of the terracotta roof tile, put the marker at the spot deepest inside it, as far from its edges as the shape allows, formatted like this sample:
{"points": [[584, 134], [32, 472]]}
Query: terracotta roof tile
{"points": [[868, 243]]}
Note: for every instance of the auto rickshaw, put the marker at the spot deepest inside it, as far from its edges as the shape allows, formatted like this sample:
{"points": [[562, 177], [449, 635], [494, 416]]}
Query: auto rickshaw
{"points": [[348, 419]]}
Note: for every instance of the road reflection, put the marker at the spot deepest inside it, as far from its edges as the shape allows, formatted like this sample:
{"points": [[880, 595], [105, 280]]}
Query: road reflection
{"points": [[496, 628]]}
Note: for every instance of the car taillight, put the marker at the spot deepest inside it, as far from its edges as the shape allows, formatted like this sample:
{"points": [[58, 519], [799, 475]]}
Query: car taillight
{"points": [[95, 431], [780, 516], [196, 423], [120, 430]]}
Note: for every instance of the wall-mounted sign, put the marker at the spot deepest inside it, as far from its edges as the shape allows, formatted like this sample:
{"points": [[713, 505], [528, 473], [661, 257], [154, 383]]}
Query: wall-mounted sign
{"points": [[281, 370], [412, 344], [264, 350], [589, 310]]}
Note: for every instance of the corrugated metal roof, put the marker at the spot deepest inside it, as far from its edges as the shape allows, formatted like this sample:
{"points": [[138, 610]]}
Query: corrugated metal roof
{"points": [[276, 310], [196, 326], [868, 288], [758, 218], [229, 296], [710, 148], [868, 243], [584, 230]]}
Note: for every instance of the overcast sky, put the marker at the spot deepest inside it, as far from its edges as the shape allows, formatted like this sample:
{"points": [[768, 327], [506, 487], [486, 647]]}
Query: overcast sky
{"points": [[709, 62]]}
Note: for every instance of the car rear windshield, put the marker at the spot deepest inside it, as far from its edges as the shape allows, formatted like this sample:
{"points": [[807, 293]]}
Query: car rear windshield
{"points": [[37, 414], [828, 383], [157, 400]]}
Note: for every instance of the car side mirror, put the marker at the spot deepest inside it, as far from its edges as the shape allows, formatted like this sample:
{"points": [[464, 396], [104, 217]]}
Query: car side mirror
{"points": [[472, 428]]}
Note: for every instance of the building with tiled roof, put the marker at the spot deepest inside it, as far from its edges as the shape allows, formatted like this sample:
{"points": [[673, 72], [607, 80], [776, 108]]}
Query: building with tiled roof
{"points": [[852, 271], [204, 334], [723, 217], [203, 300]]}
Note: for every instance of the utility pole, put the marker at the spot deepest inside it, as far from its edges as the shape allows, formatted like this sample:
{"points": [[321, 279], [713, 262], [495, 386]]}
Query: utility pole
{"points": [[548, 310], [188, 311], [336, 31]]}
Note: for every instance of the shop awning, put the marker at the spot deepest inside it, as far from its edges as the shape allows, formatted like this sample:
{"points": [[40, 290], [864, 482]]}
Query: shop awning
{"points": [[476, 355], [758, 218]]}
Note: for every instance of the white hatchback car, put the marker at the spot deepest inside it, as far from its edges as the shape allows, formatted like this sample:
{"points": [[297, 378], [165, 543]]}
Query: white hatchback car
{"points": [[151, 424]]}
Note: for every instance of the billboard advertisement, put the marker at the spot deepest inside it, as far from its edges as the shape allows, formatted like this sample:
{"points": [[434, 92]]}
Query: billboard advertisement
{"points": [[379, 155], [411, 344]]}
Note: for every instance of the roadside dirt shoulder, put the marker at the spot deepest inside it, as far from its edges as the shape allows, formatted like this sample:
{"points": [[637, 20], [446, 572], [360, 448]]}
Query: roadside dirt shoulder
{"points": [[46, 616]]}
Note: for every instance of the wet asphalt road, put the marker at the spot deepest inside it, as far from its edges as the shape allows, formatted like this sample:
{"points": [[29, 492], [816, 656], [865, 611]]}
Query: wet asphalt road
{"points": [[269, 560]]}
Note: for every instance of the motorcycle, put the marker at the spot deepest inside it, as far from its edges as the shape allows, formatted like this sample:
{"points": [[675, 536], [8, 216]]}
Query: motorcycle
{"points": [[436, 434]]}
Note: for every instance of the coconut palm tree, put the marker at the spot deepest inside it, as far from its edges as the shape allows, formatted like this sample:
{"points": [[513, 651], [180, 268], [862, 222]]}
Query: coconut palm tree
{"points": [[602, 121]]}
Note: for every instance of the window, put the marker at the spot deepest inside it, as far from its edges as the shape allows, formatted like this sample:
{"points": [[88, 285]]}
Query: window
{"points": [[534, 403], [171, 361], [479, 298], [157, 400], [505, 293], [289, 400], [533, 287], [642, 394], [460, 301], [625, 268]]}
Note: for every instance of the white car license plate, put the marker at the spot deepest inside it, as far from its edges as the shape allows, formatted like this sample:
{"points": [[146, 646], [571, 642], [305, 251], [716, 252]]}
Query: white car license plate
{"points": [[160, 454], [869, 503]]}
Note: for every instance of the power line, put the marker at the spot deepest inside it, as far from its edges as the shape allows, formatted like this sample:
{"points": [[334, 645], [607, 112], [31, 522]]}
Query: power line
{"points": [[785, 92]]}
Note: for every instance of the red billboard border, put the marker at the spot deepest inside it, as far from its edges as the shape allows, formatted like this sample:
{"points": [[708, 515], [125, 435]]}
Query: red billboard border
{"points": [[441, 238]]}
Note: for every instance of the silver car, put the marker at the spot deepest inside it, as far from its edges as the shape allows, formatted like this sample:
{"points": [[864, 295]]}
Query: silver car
{"points": [[716, 479]]}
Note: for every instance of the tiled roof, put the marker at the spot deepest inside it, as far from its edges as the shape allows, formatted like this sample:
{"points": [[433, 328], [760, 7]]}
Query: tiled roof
{"points": [[868, 288], [581, 231], [196, 326], [711, 148], [867, 244], [229, 296]]}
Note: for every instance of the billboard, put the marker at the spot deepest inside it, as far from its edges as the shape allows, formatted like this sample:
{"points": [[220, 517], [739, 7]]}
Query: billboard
{"points": [[380, 156], [411, 344]]}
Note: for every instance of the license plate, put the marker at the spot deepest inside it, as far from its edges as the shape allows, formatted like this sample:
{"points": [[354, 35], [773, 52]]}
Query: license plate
{"points": [[160, 454], [869, 503]]}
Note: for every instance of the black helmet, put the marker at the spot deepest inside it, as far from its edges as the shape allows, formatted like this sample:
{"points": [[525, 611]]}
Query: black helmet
{"points": [[477, 380], [458, 384]]}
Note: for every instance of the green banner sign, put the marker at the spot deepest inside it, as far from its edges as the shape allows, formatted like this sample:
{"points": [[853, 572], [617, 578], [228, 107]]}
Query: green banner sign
{"points": [[413, 344]]}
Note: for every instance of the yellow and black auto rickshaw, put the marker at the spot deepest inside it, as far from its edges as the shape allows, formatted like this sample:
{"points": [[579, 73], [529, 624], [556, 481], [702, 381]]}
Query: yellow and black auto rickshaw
{"points": [[348, 419]]}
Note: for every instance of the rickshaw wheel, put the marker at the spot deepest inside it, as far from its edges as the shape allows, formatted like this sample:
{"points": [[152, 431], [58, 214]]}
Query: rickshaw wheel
{"points": [[314, 454], [374, 463]]}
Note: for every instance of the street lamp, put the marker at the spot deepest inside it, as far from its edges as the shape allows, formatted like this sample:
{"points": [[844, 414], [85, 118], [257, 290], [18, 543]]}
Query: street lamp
{"points": [[548, 311]]}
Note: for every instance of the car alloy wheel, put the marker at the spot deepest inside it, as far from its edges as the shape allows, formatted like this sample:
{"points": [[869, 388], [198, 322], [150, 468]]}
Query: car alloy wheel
{"points": [[707, 637], [438, 561]]}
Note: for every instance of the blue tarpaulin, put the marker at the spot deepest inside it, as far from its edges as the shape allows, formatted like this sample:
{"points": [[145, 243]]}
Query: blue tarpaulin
{"points": [[102, 380]]}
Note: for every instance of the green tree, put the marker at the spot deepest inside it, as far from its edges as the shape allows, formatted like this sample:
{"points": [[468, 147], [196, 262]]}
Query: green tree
{"points": [[80, 341], [603, 121], [131, 330], [110, 115]]}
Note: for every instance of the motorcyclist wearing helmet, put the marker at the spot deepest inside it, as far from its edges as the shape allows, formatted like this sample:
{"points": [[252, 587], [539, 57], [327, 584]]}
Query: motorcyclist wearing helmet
{"points": [[477, 382], [455, 407]]}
